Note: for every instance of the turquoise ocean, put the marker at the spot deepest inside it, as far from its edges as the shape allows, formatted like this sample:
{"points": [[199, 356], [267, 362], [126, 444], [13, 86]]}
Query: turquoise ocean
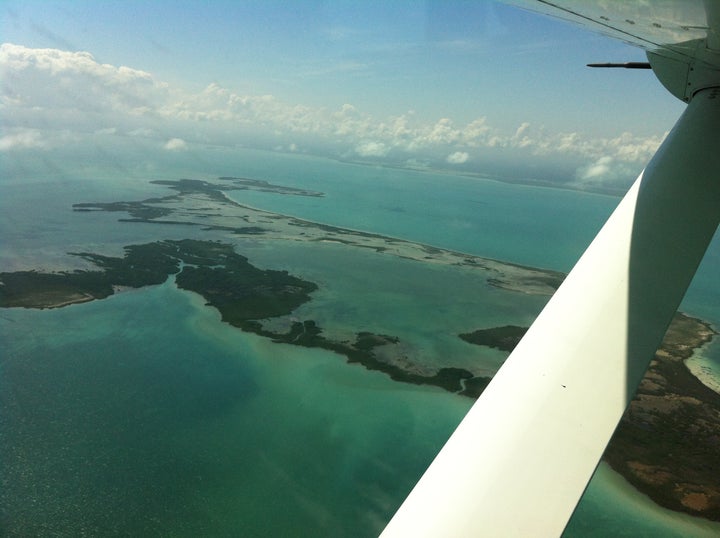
{"points": [[144, 415]]}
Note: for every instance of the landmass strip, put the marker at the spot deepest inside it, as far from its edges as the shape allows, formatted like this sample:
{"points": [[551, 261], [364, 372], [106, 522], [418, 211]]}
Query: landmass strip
{"points": [[243, 294], [665, 444], [204, 204]]}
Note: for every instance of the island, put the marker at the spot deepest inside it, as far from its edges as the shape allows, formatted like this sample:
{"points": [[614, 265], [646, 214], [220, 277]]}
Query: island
{"points": [[504, 338], [244, 295], [207, 205]]}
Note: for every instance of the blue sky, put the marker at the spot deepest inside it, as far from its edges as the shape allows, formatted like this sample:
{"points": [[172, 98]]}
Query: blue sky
{"points": [[472, 86]]}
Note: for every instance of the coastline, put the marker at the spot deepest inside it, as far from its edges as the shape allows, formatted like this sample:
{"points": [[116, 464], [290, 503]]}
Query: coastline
{"points": [[667, 442], [702, 368], [205, 205], [610, 490]]}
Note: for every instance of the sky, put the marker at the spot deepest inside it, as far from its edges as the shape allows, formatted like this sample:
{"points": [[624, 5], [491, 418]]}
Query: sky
{"points": [[468, 86]]}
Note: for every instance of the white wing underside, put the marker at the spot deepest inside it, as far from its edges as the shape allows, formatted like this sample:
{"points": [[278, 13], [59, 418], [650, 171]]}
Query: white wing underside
{"points": [[519, 462], [653, 25]]}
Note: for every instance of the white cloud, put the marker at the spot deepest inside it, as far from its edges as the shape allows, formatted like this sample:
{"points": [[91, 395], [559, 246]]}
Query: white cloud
{"points": [[595, 170], [458, 157], [22, 139], [606, 171], [371, 149], [175, 144], [48, 91], [52, 79], [615, 161], [56, 61]]}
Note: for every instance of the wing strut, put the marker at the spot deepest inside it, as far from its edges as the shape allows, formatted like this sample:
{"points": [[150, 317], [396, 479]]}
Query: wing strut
{"points": [[519, 462]]}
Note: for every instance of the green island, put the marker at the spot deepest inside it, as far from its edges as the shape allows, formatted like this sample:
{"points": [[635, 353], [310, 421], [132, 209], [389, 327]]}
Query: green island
{"points": [[243, 294], [207, 205], [504, 338], [666, 443]]}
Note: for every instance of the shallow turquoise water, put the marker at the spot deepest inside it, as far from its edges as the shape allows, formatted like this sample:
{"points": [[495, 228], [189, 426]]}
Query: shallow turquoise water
{"points": [[527, 225], [142, 414], [425, 305]]}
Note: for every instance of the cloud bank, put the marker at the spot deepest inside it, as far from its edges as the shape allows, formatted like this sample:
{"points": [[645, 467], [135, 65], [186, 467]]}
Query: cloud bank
{"points": [[48, 91]]}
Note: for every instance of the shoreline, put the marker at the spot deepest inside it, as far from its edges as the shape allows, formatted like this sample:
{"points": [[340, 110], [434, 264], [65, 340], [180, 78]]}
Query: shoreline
{"points": [[610, 490], [206, 204], [245, 296], [678, 418], [699, 367]]}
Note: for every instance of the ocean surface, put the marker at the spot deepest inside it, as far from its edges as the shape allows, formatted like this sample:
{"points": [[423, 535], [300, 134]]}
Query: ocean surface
{"points": [[142, 414]]}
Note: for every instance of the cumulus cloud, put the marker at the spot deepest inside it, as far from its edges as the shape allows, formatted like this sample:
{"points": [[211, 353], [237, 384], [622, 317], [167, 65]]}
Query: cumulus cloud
{"points": [[615, 161], [371, 149], [57, 79], [22, 139], [595, 170], [458, 157], [175, 144], [49, 89], [606, 171]]}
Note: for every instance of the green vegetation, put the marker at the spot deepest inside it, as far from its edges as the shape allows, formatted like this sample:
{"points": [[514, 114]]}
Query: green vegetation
{"points": [[503, 338], [308, 334], [238, 289], [242, 293], [142, 265]]}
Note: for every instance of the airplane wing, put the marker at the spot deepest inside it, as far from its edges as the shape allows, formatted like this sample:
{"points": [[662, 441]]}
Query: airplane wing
{"points": [[650, 24], [681, 37], [521, 459]]}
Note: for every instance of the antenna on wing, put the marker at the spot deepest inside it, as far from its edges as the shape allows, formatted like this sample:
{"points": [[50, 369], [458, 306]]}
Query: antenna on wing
{"points": [[626, 65]]}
